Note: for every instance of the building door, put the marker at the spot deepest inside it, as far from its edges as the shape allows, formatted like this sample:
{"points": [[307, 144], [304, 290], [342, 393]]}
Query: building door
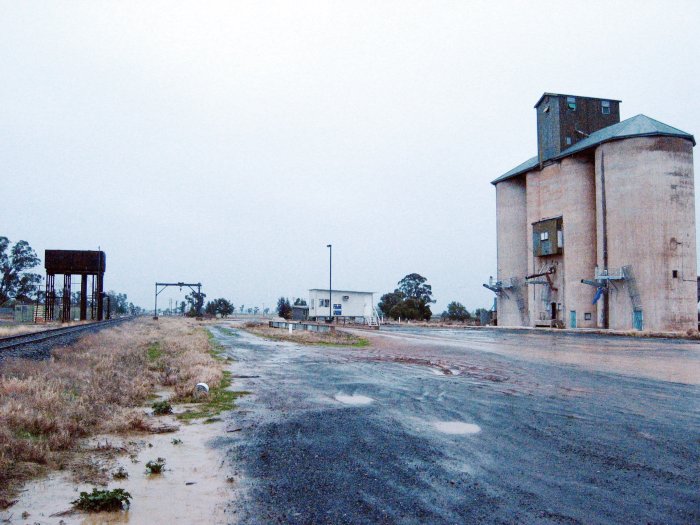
{"points": [[638, 320], [572, 319], [554, 311]]}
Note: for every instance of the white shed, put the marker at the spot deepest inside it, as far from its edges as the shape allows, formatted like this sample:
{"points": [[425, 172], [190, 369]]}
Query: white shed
{"points": [[346, 304]]}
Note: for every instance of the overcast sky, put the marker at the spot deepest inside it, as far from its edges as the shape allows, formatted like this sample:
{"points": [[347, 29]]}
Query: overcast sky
{"points": [[230, 142]]}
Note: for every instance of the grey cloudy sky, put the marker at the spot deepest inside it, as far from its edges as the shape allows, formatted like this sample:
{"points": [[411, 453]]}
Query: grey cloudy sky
{"points": [[229, 142]]}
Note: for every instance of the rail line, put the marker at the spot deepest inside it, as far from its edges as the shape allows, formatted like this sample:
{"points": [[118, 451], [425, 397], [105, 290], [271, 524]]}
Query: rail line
{"points": [[15, 341]]}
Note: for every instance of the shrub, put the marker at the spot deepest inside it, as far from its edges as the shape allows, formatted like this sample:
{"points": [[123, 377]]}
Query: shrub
{"points": [[161, 408], [102, 500], [156, 467]]}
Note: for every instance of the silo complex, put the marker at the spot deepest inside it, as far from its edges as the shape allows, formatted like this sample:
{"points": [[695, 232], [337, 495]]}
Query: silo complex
{"points": [[598, 230]]}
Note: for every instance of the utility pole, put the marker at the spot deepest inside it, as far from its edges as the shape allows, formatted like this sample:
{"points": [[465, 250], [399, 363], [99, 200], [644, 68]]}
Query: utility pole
{"points": [[330, 281]]}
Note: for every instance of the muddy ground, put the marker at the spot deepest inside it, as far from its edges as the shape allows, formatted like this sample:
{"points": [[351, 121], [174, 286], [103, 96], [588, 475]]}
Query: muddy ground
{"points": [[454, 426]]}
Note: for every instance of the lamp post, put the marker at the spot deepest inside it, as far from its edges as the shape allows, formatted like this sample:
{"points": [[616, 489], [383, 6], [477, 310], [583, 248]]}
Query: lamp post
{"points": [[330, 281]]}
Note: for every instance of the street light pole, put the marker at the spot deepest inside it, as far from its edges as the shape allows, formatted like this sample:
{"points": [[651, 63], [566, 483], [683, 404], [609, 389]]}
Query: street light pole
{"points": [[330, 281]]}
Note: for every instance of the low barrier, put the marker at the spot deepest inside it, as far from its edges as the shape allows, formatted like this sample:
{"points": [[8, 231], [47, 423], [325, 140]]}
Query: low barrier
{"points": [[311, 327]]}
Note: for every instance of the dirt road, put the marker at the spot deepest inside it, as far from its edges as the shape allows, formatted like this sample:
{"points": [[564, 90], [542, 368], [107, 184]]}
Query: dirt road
{"points": [[431, 426]]}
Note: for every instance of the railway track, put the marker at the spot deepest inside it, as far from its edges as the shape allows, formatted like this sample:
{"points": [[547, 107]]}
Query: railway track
{"points": [[45, 337]]}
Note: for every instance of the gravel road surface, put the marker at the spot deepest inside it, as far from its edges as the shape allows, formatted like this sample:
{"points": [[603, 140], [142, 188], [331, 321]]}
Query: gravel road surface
{"points": [[455, 426]]}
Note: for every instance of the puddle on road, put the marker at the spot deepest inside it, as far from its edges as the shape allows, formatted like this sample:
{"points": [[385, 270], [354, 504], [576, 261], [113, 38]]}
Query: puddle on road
{"points": [[456, 427], [193, 488], [354, 399]]}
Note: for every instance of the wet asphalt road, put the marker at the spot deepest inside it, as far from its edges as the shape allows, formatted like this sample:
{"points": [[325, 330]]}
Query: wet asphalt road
{"points": [[557, 443]]}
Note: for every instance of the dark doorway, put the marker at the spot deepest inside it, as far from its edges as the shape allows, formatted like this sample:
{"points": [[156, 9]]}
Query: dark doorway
{"points": [[554, 311]]}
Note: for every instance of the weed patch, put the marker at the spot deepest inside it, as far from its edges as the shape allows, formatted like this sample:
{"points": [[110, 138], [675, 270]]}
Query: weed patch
{"points": [[154, 352], [337, 338], [216, 349], [97, 385], [102, 500], [161, 408], [219, 400], [156, 466], [229, 331]]}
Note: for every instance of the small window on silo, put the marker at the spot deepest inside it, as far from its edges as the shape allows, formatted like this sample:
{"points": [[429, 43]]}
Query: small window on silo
{"points": [[568, 141], [571, 103], [587, 316], [605, 107], [675, 274]]}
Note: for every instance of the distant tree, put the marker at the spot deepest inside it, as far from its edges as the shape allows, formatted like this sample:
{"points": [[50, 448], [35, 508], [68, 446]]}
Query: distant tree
{"points": [[242, 307], [389, 300], [135, 310], [15, 281], [413, 285], [457, 312], [118, 302], [266, 311], [411, 308], [196, 301], [284, 309], [300, 302], [221, 306], [210, 308], [411, 300], [256, 310]]}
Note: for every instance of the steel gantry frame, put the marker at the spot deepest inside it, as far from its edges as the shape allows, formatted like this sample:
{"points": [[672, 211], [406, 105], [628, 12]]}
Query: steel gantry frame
{"points": [[198, 304]]}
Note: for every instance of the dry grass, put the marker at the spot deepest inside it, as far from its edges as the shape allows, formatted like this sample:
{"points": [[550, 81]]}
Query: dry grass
{"points": [[337, 337], [97, 385], [17, 329]]}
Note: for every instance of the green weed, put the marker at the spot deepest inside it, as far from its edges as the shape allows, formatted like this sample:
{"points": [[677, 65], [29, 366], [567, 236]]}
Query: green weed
{"points": [[102, 500], [219, 400], [161, 408], [156, 467], [154, 352]]}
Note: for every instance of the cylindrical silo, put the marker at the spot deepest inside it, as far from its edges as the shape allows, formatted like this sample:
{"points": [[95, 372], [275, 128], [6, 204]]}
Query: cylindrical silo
{"points": [[645, 207], [512, 231]]}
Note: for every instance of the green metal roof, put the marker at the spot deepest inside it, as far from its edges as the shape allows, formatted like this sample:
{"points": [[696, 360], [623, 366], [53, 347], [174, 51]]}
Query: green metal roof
{"points": [[639, 126]]}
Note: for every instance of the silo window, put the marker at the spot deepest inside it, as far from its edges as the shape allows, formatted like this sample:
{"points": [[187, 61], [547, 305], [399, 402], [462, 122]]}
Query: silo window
{"points": [[605, 106], [568, 141], [587, 316], [675, 274], [571, 103]]}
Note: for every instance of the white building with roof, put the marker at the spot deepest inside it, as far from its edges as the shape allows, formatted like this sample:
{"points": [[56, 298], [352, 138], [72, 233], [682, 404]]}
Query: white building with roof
{"points": [[341, 304]]}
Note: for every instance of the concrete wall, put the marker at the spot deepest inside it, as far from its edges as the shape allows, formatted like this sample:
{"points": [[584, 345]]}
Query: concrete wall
{"points": [[567, 189], [579, 239], [650, 220], [545, 196], [564, 189], [511, 227]]}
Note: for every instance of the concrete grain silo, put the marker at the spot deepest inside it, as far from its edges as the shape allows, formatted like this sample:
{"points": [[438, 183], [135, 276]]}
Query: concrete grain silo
{"points": [[598, 230], [646, 227]]}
